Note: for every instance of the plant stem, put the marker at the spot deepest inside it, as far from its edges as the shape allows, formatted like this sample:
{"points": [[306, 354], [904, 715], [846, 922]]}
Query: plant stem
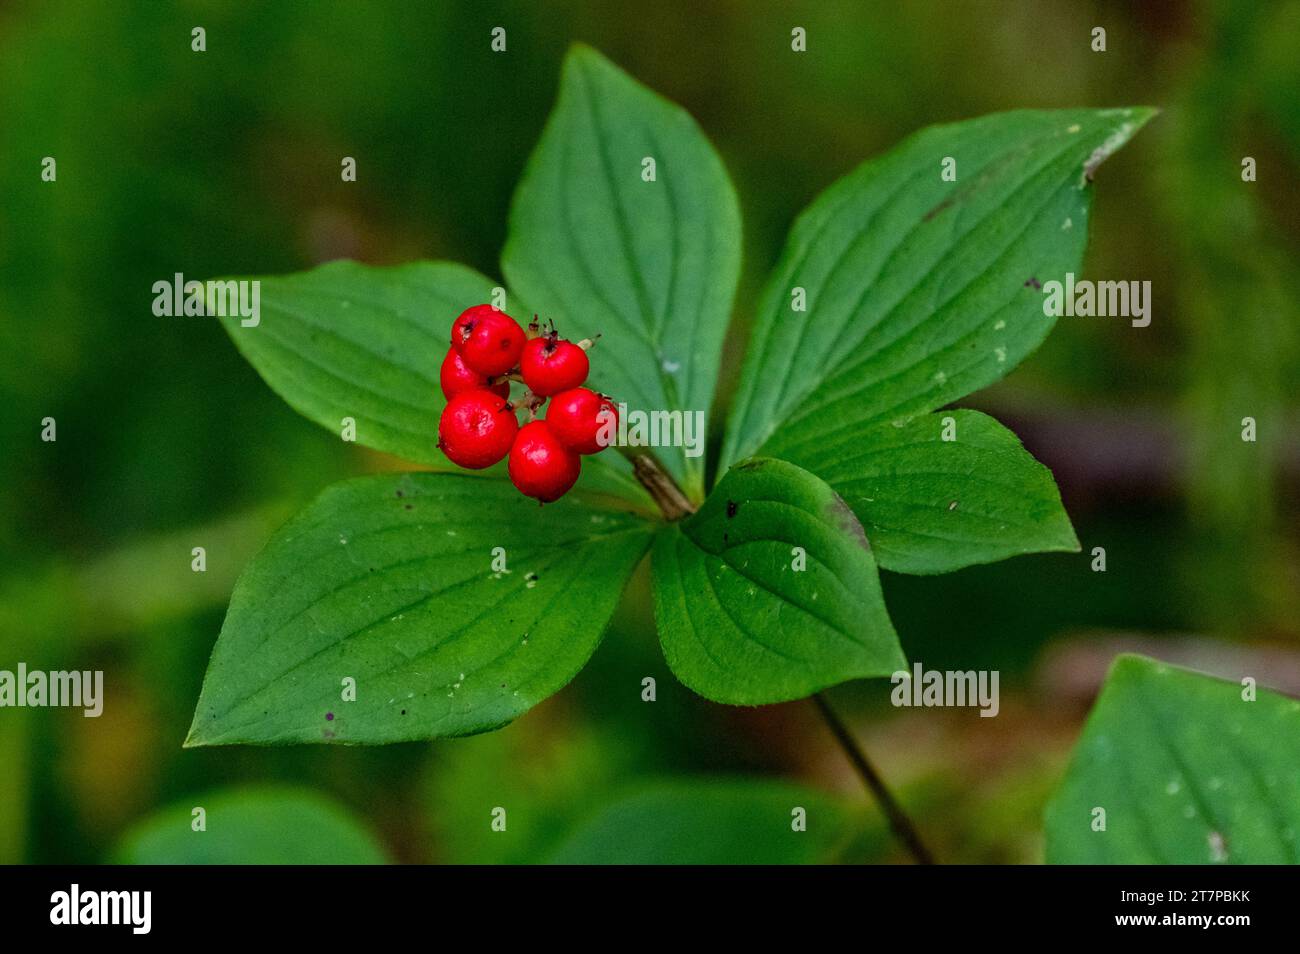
{"points": [[899, 823], [659, 483]]}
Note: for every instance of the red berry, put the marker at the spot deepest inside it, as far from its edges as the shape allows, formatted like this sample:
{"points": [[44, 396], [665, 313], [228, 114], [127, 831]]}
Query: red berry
{"points": [[550, 365], [468, 321], [464, 324], [489, 341], [477, 428], [540, 466], [455, 377], [580, 418]]}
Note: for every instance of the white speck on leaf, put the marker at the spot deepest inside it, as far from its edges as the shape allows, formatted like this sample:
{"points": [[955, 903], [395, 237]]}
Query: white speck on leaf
{"points": [[1104, 151], [1218, 847]]}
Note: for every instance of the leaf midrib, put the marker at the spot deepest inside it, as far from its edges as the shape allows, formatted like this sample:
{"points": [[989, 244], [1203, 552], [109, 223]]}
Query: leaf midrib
{"points": [[654, 321]]}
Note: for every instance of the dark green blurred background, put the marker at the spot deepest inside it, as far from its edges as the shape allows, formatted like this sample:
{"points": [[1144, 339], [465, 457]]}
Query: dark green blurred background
{"points": [[227, 162]]}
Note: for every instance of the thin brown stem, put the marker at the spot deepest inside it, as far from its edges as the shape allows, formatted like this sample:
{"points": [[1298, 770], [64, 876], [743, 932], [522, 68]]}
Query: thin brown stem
{"points": [[659, 483], [899, 823]]}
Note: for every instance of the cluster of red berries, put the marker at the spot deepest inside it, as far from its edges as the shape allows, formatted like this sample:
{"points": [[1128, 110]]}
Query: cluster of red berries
{"points": [[479, 425]]}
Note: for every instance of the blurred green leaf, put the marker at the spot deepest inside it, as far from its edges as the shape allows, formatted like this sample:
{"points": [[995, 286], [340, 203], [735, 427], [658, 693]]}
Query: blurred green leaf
{"points": [[918, 291], [253, 826], [731, 821], [548, 772], [744, 618], [351, 340], [1187, 771], [16, 751], [389, 580], [650, 264], [930, 505]]}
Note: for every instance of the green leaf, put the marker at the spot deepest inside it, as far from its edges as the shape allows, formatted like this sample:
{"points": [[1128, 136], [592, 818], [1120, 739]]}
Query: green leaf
{"points": [[742, 821], [366, 342], [551, 776], [389, 580], [351, 340], [919, 291], [253, 826], [930, 505], [1187, 772], [739, 622], [651, 265]]}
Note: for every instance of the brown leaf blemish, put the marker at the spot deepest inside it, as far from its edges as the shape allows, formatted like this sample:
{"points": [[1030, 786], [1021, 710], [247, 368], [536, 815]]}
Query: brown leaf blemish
{"points": [[842, 515]]}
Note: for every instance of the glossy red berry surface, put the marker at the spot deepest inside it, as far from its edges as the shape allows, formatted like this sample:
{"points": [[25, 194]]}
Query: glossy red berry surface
{"points": [[550, 364], [455, 376], [540, 465], [489, 341], [477, 429], [463, 324], [581, 417]]}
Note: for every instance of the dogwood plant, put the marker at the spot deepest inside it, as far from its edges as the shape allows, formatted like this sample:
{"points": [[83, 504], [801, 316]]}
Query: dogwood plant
{"points": [[440, 602]]}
